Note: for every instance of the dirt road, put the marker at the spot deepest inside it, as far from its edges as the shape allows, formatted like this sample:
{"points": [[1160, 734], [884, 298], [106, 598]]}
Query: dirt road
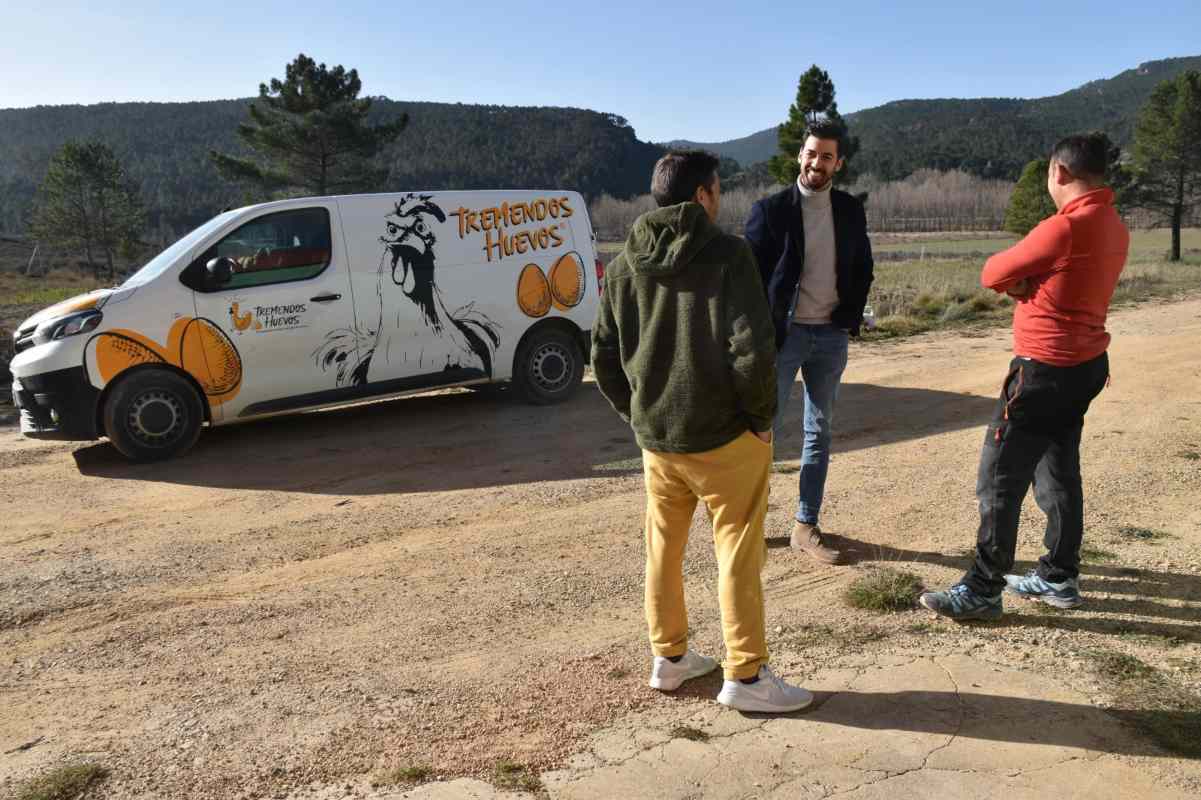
{"points": [[455, 580]]}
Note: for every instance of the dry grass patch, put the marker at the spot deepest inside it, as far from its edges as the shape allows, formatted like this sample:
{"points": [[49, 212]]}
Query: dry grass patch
{"points": [[1134, 533], [21, 290], [914, 296], [689, 733], [402, 776], [1144, 697], [69, 782], [1094, 555], [517, 777], [845, 638], [1136, 636]]}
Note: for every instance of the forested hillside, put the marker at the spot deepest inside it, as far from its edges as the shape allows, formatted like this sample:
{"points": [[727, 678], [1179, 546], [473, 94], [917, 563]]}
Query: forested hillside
{"points": [[992, 138], [165, 146]]}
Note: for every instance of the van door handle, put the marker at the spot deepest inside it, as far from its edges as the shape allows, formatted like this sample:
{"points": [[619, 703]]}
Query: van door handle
{"points": [[325, 298]]}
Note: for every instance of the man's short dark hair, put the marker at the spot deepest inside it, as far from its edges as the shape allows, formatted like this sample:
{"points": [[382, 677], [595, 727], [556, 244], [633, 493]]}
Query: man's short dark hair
{"points": [[828, 130], [680, 173], [1086, 156]]}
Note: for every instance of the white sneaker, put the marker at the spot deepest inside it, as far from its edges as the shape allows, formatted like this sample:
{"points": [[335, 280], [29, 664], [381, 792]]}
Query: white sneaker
{"points": [[769, 695], [667, 676]]}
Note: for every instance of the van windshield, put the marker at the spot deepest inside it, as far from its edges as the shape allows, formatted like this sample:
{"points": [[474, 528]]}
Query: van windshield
{"points": [[157, 265]]}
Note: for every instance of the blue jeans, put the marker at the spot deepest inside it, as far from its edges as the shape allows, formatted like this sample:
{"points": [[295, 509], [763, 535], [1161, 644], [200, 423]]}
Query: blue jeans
{"points": [[819, 353]]}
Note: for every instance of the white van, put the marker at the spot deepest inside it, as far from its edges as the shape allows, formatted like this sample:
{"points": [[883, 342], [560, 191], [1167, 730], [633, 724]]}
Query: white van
{"points": [[314, 303]]}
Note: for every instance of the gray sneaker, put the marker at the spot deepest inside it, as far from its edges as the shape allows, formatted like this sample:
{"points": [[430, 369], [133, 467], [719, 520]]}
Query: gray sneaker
{"points": [[961, 603], [809, 540], [667, 675], [1033, 587], [768, 695]]}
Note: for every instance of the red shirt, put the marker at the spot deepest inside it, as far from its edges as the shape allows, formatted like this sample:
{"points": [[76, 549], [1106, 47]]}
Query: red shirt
{"points": [[1072, 261]]}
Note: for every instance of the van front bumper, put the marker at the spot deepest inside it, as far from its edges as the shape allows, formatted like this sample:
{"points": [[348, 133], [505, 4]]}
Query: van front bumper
{"points": [[57, 405]]}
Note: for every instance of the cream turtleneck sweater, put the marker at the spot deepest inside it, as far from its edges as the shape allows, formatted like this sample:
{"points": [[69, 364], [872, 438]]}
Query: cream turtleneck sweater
{"points": [[817, 294]]}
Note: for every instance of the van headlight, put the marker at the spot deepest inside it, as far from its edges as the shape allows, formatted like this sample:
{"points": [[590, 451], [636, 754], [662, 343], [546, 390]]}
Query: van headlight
{"points": [[69, 325]]}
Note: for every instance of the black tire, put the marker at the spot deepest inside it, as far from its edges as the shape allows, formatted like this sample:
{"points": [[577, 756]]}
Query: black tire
{"points": [[548, 367], [153, 414]]}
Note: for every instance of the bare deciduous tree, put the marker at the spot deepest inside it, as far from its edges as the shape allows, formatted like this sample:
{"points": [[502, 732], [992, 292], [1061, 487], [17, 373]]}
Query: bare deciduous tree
{"points": [[928, 200]]}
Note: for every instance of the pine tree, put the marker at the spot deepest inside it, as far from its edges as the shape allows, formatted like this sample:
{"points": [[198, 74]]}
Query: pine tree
{"points": [[1166, 164], [87, 201], [1030, 202], [312, 134], [814, 101]]}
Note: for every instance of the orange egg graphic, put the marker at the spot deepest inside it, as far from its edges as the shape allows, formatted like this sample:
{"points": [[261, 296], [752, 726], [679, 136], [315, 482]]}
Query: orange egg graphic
{"points": [[196, 346], [117, 352], [533, 291], [208, 354], [567, 281]]}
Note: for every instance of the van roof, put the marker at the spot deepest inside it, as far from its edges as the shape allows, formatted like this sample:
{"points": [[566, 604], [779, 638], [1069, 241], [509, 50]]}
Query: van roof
{"points": [[293, 201]]}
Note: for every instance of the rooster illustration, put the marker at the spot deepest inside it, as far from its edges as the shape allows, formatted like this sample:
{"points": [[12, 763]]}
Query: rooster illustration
{"points": [[462, 338]]}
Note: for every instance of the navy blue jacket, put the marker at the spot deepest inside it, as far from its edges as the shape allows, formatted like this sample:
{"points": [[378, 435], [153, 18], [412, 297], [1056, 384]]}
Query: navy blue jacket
{"points": [[777, 238]]}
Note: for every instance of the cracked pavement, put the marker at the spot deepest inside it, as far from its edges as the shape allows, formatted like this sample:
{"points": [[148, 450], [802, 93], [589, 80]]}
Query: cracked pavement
{"points": [[888, 728]]}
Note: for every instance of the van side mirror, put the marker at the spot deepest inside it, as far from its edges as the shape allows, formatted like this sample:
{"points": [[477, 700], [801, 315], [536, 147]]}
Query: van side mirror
{"points": [[219, 270]]}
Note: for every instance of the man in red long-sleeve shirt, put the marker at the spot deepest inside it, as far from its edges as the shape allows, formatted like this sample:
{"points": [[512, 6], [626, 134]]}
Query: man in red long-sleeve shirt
{"points": [[1062, 275]]}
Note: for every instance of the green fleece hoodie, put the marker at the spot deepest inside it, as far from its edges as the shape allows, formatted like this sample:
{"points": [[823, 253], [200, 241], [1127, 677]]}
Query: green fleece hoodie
{"points": [[683, 345]]}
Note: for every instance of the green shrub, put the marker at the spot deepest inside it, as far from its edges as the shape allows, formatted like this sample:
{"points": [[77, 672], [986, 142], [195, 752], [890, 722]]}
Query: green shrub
{"points": [[901, 325], [884, 589]]}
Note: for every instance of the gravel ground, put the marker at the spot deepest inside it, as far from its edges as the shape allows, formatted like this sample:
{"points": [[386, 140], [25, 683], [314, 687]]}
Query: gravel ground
{"points": [[453, 581]]}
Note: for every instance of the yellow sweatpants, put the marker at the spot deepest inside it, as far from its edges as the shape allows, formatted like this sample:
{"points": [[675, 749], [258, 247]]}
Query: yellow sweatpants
{"points": [[733, 482]]}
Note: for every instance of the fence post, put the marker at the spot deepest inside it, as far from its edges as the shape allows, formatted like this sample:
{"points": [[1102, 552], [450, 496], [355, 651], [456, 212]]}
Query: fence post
{"points": [[32, 257]]}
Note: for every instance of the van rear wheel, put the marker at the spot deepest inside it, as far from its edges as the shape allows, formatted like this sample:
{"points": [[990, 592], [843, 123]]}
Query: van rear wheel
{"points": [[549, 367], [153, 414]]}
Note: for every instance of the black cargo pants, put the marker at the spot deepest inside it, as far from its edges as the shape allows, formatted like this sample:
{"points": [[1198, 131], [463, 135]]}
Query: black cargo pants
{"points": [[1034, 437]]}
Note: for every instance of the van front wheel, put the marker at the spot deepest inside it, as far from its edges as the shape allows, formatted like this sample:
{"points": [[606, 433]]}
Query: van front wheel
{"points": [[153, 414], [549, 367]]}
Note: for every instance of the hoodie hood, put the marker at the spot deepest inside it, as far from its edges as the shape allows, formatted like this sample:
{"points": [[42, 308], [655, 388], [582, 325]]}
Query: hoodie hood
{"points": [[665, 241]]}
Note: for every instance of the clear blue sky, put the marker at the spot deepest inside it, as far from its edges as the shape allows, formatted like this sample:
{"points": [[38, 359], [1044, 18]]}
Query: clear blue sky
{"points": [[700, 70]]}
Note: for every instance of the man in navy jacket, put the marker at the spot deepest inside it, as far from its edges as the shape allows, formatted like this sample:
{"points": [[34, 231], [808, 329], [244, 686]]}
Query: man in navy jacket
{"points": [[816, 264]]}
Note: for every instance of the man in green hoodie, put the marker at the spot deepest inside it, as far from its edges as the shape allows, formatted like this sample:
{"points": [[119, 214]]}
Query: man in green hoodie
{"points": [[683, 348]]}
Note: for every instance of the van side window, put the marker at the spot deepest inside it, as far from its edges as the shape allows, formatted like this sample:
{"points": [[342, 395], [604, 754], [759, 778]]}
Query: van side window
{"points": [[276, 248]]}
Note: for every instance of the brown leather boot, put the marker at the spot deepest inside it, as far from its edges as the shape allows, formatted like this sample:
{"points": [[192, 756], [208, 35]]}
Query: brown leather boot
{"points": [[809, 540]]}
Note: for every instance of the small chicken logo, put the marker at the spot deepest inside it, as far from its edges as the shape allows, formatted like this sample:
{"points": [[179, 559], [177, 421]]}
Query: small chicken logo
{"points": [[241, 321]]}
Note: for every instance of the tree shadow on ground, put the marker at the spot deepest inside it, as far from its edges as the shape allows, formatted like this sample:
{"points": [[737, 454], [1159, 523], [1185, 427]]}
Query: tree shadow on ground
{"points": [[1128, 591], [470, 439]]}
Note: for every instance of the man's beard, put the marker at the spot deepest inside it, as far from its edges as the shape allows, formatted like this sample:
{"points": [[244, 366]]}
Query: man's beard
{"points": [[815, 181]]}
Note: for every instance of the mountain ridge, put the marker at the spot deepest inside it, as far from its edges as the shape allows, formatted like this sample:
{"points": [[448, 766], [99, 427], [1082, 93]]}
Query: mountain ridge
{"points": [[164, 147], [1035, 124]]}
